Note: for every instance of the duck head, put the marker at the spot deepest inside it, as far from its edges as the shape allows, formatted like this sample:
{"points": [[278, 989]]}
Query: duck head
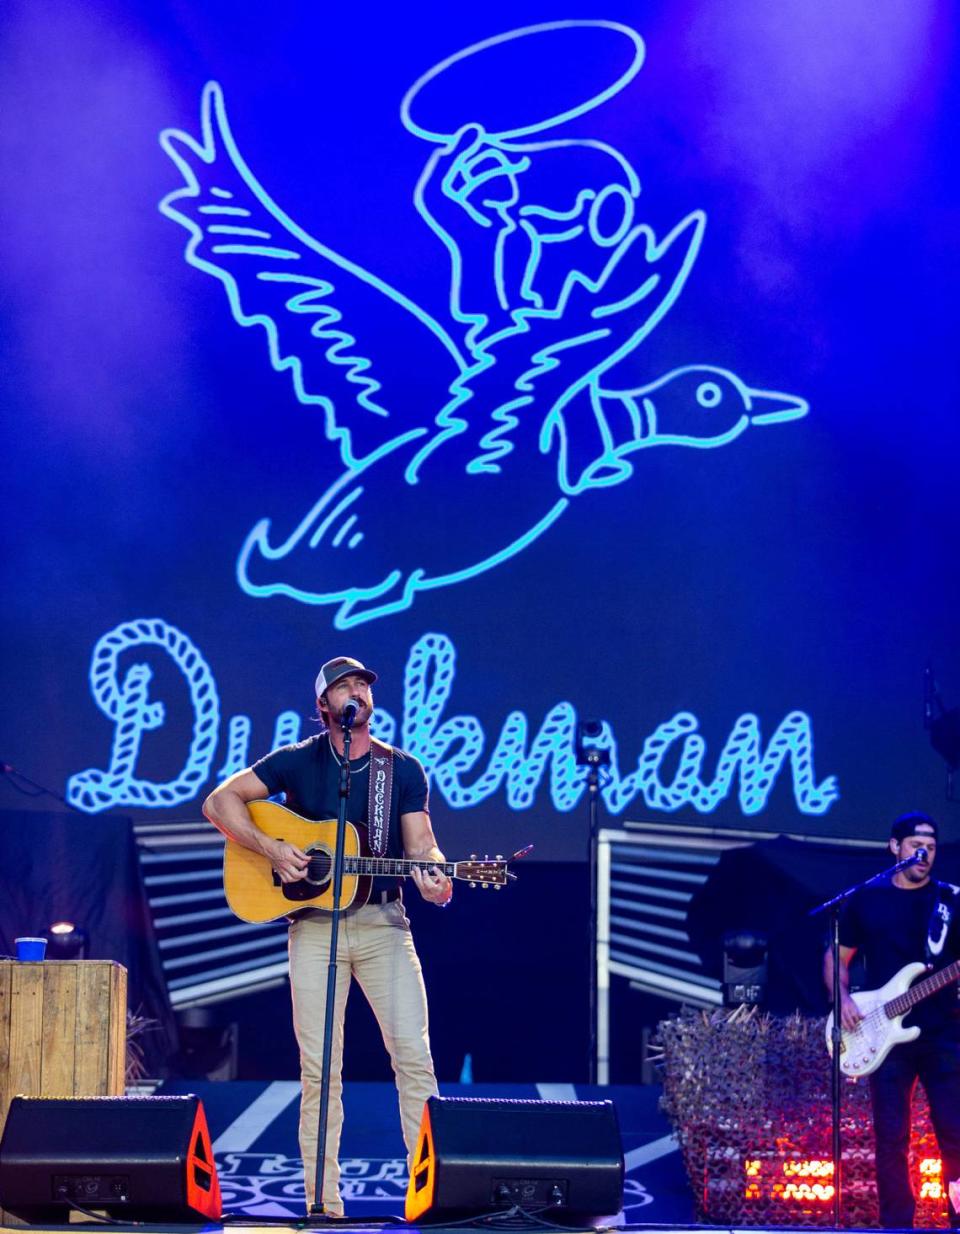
{"points": [[704, 406]]}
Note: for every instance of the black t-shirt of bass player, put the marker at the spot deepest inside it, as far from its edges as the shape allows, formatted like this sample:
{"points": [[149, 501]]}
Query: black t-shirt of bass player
{"points": [[889, 925], [308, 774]]}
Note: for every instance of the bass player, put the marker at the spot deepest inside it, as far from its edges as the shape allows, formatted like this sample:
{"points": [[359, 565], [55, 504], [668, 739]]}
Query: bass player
{"points": [[910, 918], [375, 944]]}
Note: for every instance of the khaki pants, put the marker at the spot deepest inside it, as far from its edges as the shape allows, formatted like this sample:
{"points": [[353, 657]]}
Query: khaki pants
{"points": [[376, 947]]}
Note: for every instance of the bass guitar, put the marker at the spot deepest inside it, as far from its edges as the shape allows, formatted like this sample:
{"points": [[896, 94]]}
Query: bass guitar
{"points": [[864, 1048], [254, 890]]}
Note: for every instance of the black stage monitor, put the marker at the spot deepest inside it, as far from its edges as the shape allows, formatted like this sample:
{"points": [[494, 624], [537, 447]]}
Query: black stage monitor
{"points": [[559, 1158], [138, 1158]]}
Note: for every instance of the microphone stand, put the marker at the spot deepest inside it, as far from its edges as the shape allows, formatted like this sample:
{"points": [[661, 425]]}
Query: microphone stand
{"points": [[318, 1215], [594, 758], [833, 907]]}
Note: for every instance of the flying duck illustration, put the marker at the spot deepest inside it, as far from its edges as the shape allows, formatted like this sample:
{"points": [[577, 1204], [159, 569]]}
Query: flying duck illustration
{"points": [[343, 535], [516, 407]]}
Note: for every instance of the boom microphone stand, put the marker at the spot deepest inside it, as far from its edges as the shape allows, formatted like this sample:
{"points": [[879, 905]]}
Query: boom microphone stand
{"points": [[318, 1214], [833, 907]]}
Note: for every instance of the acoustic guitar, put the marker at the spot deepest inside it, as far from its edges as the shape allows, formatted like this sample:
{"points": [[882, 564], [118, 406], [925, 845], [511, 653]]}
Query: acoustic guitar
{"points": [[254, 890]]}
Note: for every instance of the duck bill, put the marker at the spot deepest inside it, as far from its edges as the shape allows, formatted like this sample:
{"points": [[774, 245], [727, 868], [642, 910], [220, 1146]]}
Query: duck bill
{"points": [[772, 407]]}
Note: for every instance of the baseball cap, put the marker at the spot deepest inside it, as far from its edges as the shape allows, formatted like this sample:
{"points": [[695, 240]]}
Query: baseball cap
{"points": [[342, 666], [908, 824]]}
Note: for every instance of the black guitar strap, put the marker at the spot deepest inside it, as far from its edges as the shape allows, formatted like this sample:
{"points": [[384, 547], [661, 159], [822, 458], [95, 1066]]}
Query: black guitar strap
{"points": [[378, 801], [940, 918]]}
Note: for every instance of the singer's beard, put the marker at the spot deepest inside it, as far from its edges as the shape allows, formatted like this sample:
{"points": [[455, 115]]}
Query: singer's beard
{"points": [[364, 712]]}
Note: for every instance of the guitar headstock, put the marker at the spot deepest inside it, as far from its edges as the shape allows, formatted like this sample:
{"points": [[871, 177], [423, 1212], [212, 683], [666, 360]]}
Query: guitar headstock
{"points": [[483, 871], [488, 871]]}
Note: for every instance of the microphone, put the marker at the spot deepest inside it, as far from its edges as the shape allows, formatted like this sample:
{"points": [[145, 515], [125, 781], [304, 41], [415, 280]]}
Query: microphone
{"points": [[349, 713], [920, 854]]}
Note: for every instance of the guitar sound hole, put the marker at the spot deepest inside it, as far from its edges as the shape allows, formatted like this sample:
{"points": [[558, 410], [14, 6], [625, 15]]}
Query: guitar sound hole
{"points": [[319, 870]]}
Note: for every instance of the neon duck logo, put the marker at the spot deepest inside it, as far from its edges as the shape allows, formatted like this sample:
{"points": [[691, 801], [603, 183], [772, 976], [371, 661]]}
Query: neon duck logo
{"points": [[524, 399]]}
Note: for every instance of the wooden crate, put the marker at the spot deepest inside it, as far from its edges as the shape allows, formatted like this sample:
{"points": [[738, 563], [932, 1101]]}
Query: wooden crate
{"points": [[63, 1031]]}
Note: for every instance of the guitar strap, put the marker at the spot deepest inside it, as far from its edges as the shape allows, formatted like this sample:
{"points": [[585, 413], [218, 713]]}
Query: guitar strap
{"points": [[940, 918], [378, 801]]}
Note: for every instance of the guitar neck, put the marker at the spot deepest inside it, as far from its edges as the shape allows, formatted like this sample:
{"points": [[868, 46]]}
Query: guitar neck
{"points": [[923, 989], [400, 867]]}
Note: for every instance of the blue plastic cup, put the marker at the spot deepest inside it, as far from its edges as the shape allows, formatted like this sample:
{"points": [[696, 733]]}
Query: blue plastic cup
{"points": [[30, 948]]}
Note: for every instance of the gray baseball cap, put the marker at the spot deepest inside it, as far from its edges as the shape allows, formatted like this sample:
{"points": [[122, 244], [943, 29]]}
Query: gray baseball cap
{"points": [[342, 666]]}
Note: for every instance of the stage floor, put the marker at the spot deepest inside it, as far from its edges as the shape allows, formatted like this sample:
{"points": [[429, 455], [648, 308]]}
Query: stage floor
{"points": [[253, 1126], [254, 1130]]}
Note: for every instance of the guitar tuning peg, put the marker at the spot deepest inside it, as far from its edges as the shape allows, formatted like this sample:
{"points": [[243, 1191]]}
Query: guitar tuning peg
{"points": [[499, 887], [485, 886], [473, 856], [499, 857], [473, 884]]}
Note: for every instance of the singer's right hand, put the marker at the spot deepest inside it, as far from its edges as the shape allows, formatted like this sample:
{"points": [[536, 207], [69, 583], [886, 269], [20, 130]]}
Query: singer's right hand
{"points": [[289, 861]]}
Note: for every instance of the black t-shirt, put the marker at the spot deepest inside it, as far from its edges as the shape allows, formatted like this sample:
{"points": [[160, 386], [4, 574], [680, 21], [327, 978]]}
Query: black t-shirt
{"points": [[308, 774], [889, 925]]}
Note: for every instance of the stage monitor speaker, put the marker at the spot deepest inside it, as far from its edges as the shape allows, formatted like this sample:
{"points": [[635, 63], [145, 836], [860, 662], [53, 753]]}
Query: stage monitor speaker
{"points": [[477, 1156], [138, 1158]]}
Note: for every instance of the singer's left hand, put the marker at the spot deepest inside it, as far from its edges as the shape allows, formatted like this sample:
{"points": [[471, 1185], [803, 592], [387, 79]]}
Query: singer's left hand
{"points": [[433, 885]]}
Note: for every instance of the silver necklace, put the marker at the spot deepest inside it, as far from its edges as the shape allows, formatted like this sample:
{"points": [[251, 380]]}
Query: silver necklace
{"points": [[363, 766]]}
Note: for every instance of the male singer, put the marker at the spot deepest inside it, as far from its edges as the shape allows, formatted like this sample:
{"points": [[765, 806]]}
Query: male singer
{"points": [[375, 944]]}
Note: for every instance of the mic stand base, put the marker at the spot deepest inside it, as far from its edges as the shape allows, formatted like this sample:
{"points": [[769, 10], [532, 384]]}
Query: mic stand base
{"points": [[318, 1219]]}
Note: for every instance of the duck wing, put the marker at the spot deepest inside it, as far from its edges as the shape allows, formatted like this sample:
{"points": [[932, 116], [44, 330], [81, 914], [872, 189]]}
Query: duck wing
{"points": [[323, 315]]}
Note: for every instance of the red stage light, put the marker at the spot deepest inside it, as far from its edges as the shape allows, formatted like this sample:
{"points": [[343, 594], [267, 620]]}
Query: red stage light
{"points": [[804, 1192], [930, 1170], [815, 1168], [931, 1179]]}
